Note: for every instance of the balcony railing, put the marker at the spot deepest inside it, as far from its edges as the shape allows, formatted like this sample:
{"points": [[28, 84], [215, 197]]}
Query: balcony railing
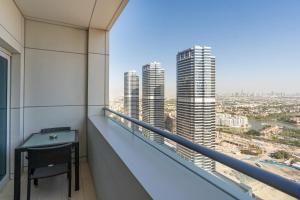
{"points": [[285, 185]]}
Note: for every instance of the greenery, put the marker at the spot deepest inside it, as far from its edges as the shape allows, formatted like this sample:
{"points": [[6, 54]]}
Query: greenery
{"points": [[274, 116], [266, 126], [255, 151], [293, 133], [287, 136], [230, 130], [280, 155], [283, 117], [288, 142], [274, 137], [295, 160], [253, 132]]}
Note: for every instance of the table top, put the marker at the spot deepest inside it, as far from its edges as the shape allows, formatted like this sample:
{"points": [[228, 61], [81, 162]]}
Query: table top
{"points": [[43, 139]]}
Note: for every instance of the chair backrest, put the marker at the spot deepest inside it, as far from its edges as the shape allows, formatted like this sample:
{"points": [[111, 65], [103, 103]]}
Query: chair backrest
{"points": [[49, 156], [55, 129]]}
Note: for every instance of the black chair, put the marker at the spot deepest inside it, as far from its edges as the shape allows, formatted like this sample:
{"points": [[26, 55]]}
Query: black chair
{"points": [[55, 129], [48, 162]]}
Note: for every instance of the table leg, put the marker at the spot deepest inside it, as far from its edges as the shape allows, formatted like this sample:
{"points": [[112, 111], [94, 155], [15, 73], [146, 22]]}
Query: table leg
{"points": [[76, 166], [17, 175]]}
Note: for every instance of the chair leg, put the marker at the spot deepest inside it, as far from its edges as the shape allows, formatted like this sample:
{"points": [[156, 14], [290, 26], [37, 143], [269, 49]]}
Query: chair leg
{"points": [[28, 188], [36, 182], [70, 182]]}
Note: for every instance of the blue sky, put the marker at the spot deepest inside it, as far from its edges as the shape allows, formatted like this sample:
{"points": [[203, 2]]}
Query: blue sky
{"points": [[256, 42]]}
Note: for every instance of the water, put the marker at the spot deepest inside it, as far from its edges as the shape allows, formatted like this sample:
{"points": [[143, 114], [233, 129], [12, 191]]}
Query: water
{"points": [[278, 164], [258, 125], [270, 162]]}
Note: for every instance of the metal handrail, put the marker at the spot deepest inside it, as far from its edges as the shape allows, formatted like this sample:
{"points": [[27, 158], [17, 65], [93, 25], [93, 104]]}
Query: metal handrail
{"points": [[283, 184]]}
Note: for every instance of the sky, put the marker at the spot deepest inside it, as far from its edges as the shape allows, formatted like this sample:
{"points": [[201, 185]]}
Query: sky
{"points": [[256, 42]]}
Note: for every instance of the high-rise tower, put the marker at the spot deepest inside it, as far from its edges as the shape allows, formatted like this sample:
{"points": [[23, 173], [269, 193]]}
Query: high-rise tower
{"points": [[196, 102], [131, 95], [153, 98]]}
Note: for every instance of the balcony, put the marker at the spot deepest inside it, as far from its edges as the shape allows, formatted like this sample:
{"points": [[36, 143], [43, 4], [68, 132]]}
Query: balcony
{"points": [[54, 188], [122, 163], [140, 169], [58, 71]]}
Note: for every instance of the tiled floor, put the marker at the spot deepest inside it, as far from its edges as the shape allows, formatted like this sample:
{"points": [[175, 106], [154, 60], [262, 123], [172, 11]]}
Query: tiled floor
{"points": [[55, 188]]}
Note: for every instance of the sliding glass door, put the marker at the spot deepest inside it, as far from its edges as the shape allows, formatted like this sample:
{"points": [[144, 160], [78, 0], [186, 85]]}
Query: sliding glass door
{"points": [[4, 72]]}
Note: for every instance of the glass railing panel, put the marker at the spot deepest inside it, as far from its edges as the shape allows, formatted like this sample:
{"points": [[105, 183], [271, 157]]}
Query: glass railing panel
{"points": [[198, 162], [253, 187]]}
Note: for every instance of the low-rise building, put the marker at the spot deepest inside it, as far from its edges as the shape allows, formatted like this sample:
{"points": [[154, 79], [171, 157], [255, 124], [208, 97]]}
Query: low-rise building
{"points": [[237, 121]]}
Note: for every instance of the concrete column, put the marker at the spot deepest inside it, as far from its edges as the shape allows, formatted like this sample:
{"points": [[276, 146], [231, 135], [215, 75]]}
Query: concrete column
{"points": [[98, 74]]}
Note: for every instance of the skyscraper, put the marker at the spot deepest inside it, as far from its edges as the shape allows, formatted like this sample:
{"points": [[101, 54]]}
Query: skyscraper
{"points": [[196, 102], [131, 95], [153, 98]]}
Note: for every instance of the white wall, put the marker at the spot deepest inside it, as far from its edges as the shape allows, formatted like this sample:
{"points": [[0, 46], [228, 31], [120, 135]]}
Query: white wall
{"points": [[55, 78], [11, 27], [98, 71], [59, 75], [66, 77], [12, 39]]}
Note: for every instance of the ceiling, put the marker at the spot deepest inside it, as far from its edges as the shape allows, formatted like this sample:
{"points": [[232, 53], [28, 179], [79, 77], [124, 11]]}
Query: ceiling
{"points": [[99, 14]]}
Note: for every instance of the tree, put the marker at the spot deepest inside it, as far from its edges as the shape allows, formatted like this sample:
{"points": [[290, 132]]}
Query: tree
{"points": [[253, 132], [280, 155]]}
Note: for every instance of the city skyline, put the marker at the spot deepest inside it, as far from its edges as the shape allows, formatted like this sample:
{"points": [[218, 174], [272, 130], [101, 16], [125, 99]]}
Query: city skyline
{"points": [[248, 58], [195, 105], [235, 93]]}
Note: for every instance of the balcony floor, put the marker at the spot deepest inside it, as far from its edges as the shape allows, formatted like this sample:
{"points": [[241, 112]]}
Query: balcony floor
{"points": [[55, 188]]}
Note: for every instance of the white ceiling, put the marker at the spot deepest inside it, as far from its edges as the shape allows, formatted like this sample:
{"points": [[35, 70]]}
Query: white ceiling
{"points": [[81, 13]]}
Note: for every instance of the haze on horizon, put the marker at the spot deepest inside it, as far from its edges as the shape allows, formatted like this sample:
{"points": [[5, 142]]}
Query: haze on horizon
{"points": [[256, 43]]}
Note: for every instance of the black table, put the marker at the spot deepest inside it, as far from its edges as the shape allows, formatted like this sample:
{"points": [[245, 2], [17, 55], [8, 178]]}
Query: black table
{"points": [[43, 140]]}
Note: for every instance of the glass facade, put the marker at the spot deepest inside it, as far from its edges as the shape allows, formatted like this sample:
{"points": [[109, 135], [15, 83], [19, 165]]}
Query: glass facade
{"points": [[131, 95], [196, 102], [153, 98]]}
